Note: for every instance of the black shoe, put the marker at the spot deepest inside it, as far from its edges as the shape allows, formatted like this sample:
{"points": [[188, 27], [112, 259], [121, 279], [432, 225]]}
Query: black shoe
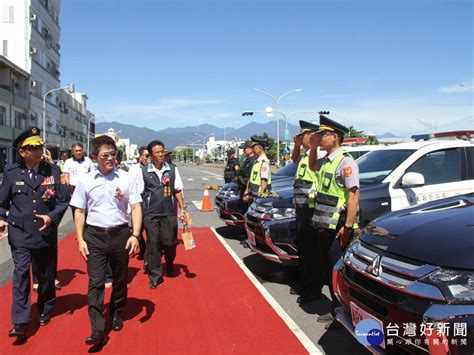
{"points": [[44, 319], [117, 323], [295, 291], [326, 318], [308, 298], [97, 337], [154, 284], [169, 270], [18, 330]]}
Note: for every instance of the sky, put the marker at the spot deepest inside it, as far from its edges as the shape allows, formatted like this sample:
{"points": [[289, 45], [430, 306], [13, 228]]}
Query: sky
{"points": [[378, 65]]}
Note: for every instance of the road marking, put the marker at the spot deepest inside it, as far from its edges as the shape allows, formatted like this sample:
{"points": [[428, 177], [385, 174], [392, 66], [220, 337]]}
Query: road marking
{"points": [[205, 179], [302, 337], [208, 172], [198, 204], [190, 179]]}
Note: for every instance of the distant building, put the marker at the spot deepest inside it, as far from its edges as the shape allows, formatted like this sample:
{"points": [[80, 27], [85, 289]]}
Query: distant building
{"points": [[122, 143], [13, 107]]}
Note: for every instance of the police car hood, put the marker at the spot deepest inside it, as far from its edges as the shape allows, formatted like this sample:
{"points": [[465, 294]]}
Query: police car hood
{"points": [[281, 197], [439, 233]]}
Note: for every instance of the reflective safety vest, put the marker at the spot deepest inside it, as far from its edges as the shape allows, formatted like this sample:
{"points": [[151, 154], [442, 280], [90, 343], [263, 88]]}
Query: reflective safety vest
{"points": [[255, 182], [305, 184], [331, 198]]}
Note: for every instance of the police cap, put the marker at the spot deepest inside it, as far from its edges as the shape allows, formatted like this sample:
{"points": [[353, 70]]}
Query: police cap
{"points": [[230, 151], [259, 140], [30, 137], [326, 124], [306, 126], [245, 145]]}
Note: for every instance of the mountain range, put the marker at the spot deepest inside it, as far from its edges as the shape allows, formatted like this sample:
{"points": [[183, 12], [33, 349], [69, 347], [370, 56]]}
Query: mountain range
{"points": [[172, 137]]}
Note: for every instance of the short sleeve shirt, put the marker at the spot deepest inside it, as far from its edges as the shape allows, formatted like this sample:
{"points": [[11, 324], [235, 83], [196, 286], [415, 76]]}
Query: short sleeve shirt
{"points": [[178, 183], [77, 169], [106, 197], [265, 169], [347, 173]]}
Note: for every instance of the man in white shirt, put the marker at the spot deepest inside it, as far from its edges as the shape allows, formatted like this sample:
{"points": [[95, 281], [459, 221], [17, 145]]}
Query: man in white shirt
{"points": [[103, 236], [76, 166]]}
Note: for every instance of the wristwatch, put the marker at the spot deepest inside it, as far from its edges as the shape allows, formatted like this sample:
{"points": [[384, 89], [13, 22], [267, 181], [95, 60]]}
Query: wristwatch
{"points": [[348, 228], [137, 236]]}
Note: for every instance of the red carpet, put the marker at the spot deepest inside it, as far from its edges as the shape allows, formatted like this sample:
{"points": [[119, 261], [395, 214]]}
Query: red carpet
{"points": [[210, 307]]}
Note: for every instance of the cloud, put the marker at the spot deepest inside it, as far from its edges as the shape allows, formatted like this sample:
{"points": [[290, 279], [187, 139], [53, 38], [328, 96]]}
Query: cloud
{"points": [[455, 88]]}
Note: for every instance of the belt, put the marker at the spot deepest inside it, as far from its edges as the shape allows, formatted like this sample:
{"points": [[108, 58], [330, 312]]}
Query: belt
{"points": [[109, 230]]}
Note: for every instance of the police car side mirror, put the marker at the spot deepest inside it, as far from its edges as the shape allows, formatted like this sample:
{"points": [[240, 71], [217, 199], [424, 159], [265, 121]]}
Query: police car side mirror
{"points": [[413, 180]]}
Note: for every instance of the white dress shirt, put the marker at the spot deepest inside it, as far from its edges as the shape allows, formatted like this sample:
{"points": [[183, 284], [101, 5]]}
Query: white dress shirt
{"points": [[77, 169]]}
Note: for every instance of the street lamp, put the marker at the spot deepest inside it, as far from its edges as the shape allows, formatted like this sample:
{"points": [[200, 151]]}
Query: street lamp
{"points": [[88, 132], [204, 140], [277, 100], [193, 143], [70, 89]]}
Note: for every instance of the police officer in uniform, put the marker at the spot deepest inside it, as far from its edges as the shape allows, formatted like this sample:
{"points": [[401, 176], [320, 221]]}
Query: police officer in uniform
{"points": [[247, 163], [232, 168], [303, 198], [260, 179], [337, 199], [32, 204]]}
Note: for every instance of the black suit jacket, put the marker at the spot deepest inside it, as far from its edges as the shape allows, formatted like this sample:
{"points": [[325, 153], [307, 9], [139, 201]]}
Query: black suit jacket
{"points": [[21, 199]]}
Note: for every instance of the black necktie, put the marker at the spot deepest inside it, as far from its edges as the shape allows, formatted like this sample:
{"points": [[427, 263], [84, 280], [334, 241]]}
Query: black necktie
{"points": [[32, 175]]}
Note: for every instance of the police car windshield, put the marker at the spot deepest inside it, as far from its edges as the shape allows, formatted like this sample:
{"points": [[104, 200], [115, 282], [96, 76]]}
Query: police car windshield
{"points": [[375, 166], [287, 170]]}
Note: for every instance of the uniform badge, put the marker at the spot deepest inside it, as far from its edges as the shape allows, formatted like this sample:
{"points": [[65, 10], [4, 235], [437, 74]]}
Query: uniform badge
{"points": [[48, 180], [347, 171], [264, 168], [19, 183]]}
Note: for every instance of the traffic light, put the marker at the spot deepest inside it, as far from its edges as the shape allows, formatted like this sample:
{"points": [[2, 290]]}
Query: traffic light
{"points": [[324, 112], [247, 113]]}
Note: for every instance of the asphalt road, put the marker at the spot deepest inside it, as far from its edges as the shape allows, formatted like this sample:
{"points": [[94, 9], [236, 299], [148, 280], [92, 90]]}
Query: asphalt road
{"points": [[274, 277]]}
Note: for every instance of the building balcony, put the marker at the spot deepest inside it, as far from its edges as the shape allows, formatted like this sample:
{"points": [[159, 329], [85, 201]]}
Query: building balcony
{"points": [[6, 95], [9, 133], [20, 102]]}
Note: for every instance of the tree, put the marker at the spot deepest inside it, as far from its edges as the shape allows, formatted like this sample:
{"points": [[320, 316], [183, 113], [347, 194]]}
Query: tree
{"points": [[354, 132], [372, 140]]}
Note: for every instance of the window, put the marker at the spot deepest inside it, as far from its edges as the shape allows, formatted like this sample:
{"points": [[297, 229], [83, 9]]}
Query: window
{"points": [[3, 115], [20, 120], [439, 167], [5, 48], [470, 163], [8, 14], [376, 165]]}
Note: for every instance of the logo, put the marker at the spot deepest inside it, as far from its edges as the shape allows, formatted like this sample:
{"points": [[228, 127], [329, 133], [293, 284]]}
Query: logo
{"points": [[369, 332], [347, 171], [375, 268]]}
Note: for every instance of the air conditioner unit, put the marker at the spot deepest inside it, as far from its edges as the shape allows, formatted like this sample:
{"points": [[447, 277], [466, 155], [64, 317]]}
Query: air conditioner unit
{"points": [[33, 50], [33, 17]]}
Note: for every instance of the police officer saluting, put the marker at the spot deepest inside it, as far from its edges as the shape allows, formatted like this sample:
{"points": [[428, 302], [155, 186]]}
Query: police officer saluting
{"points": [[260, 177], [232, 168], [32, 204], [304, 193], [337, 199]]}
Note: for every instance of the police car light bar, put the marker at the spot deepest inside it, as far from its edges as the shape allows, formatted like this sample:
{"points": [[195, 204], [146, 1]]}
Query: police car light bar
{"points": [[467, 135]]}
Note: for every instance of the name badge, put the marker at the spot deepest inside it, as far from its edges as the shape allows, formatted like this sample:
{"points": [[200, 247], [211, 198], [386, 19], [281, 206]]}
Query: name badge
{"points": [[19, 183]]}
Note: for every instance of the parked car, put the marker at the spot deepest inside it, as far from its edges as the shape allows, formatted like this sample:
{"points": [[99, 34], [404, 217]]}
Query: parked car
{"points": [[391, 178], [228, 201], [413, 266]]}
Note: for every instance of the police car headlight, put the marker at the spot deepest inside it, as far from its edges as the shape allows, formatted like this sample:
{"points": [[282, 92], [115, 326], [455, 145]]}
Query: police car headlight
{"points": [[282, 213], [456, 285]]}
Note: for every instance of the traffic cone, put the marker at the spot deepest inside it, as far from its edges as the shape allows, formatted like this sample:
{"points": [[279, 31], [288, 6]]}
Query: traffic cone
{"points": [[206, 201]]}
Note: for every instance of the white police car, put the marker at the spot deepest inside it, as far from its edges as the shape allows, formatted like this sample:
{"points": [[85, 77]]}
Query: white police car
{"points": [[406, 174]]}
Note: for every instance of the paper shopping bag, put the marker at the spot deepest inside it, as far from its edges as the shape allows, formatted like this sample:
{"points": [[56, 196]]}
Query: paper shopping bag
{"points": [[189, 218], [188, 239]]}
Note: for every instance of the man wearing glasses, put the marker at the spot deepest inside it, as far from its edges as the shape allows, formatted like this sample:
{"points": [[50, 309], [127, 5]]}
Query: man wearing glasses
{"points": [[32, 204], [162, 189], [337, 200], [136, 172], [104, 236]]}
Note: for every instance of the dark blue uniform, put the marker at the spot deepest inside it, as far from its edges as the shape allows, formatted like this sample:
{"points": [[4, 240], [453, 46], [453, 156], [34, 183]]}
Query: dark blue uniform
{"points": [[21, 198]]}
